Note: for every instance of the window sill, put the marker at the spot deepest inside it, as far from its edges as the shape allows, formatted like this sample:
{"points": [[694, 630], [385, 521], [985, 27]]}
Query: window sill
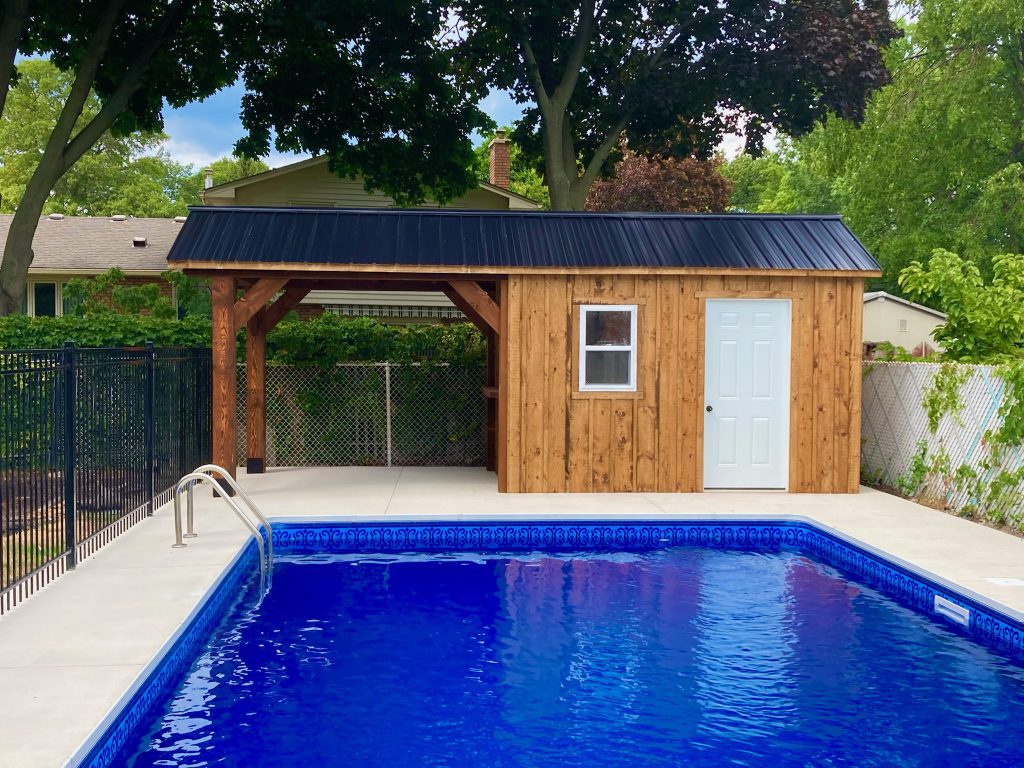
{"points": [[607, 394]]}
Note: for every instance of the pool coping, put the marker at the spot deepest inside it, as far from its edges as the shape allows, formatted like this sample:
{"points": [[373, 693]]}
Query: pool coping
{"points": [[101, 745]]}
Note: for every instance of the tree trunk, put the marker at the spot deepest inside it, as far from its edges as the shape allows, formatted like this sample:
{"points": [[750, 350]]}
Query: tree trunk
{"points": [[10, 35], [18, 252], [567, 189]]}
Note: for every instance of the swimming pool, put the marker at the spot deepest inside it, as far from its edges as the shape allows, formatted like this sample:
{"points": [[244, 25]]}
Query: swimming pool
{"points": [[697, 643]]}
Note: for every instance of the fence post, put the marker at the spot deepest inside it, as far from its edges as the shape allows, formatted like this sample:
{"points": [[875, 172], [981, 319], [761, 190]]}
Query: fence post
{"points": [[387, 406], [150, 432], [70, 441]]}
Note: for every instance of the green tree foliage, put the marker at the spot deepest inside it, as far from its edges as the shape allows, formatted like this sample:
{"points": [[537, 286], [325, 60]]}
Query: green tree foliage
{"points": [[524, 178], [661, 72], [642, 183], [985, 318], [369, 83], [120, 174], [939, 159], [126, 174], [755, 182]]}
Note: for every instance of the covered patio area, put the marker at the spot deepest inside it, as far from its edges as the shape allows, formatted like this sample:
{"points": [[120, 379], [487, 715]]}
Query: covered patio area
{"points": [[626, 352]]}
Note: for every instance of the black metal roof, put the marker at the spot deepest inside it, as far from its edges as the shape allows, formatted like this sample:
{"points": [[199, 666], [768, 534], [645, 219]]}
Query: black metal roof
{"points": [[519, 239]]}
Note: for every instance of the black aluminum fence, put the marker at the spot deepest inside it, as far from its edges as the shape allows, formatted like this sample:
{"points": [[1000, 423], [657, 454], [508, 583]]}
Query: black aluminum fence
{"points": [[91, 441]]}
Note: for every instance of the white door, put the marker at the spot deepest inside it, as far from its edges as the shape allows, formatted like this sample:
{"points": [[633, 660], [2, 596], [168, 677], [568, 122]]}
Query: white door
{"points": [[746, 393]]}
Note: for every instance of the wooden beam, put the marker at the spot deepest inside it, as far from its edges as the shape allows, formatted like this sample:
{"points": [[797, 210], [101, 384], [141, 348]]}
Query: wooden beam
{"points": [[367, 284], [255, 299], [272, 315], [474, 302], [225, 417], [256, 394]]}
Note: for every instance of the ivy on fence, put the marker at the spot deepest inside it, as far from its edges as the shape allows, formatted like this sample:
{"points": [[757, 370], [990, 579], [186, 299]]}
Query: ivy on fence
{"points": [[989, 483]]}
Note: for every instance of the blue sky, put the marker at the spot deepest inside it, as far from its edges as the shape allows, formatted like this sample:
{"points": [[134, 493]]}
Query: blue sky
{"points": [[202, 132]]}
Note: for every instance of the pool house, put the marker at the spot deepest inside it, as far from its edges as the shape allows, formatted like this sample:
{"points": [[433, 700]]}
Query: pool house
{"points": [[626, 352]]}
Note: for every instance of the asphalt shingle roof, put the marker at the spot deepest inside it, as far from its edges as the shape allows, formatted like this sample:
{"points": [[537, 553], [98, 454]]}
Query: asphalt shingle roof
{"points": [[93, 245]]}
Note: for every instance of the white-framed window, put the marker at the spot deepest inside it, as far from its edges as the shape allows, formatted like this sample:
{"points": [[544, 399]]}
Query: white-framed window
{"points": [[42, 299], [607, 352]]}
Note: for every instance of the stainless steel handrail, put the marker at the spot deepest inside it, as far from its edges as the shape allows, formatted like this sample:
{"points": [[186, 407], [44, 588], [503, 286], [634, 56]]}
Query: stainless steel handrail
{"points": [[225, 477], [203, 474]]}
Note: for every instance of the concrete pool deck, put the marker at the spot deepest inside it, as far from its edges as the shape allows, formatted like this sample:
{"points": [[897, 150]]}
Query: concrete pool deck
{"points": [[69, 653]]}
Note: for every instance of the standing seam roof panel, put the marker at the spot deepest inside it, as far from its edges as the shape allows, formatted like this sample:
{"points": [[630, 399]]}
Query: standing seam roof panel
{"points": [[521, 239]]}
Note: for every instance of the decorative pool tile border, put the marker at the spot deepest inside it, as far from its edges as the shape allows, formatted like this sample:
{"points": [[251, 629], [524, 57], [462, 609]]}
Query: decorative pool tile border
{"points": [[987, 625], [176, 661]]}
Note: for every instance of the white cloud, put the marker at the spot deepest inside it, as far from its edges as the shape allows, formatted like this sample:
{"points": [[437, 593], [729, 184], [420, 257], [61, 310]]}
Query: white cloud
{"points": [[277, 159]]}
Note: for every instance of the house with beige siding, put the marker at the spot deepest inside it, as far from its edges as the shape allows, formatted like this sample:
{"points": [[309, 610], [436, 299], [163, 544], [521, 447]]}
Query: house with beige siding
{"points": [[901, 323], [310, 184]]}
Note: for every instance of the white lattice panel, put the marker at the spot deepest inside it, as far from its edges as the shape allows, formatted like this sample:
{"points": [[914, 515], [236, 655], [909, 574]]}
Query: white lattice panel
{"points": [[894, 422]]}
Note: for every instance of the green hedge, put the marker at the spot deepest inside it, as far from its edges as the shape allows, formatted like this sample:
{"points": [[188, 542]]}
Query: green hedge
{"points": [[321, 342], [106, 329]]}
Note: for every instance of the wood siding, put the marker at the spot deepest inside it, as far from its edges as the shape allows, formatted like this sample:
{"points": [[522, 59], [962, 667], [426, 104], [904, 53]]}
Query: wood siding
{"points": [[557, 439]]}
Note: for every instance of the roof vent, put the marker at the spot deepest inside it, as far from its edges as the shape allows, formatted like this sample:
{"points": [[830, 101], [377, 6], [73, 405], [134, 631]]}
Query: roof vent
{"points": [[119, 217], [180, 219], [56, 217], [139, 242]]}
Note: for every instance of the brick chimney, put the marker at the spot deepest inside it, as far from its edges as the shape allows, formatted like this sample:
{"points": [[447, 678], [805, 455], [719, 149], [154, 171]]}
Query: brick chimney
{"points": [[500, 167]]}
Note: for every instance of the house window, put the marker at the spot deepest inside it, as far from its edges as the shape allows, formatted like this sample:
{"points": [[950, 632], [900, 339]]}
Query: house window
{"points": [[903, 325], [607, 347], [44, 299]]}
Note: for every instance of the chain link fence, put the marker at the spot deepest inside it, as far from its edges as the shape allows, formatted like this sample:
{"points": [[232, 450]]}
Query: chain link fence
{"points": [[371, 414], [955, 466]]}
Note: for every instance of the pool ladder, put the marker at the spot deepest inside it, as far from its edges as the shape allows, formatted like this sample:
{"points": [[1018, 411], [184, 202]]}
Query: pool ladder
{"points": [[204, 474]]}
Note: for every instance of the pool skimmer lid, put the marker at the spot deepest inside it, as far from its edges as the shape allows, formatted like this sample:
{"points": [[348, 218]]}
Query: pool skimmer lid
{"points": [[952, 611]]}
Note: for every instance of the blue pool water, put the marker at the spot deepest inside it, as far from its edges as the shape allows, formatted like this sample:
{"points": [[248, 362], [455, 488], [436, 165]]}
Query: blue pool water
{"points": [[679, 657]]}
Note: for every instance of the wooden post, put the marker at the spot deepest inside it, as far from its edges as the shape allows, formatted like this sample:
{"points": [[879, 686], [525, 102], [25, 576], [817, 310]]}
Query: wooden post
{"points": [[501, 432], [256, 329], [256, 394], [225, 399], [491, 402]]}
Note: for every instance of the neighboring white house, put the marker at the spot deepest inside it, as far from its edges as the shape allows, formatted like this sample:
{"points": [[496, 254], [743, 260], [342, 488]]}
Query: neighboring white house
{"points": [[901, 322]]}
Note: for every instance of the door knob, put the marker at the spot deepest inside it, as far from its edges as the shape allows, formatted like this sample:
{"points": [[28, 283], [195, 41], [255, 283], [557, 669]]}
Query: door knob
{"points": [[708, 408]]}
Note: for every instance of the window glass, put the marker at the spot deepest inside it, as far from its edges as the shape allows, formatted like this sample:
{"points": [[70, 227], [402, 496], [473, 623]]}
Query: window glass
{"points": [[609, 327], [607, 367], [45, 297]]}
